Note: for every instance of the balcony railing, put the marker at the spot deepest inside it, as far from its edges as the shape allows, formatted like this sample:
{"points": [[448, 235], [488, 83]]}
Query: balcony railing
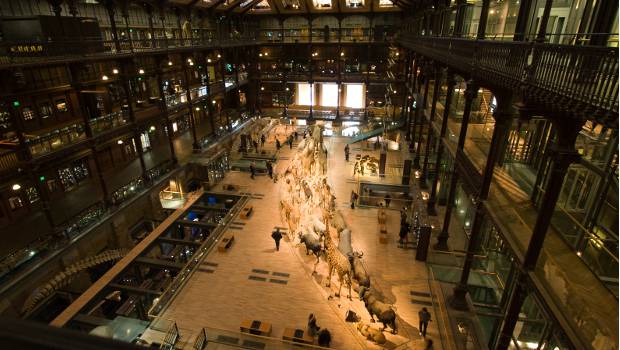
{"points": [[585, 74], [55, 140], [108, 122], [31, 51]]}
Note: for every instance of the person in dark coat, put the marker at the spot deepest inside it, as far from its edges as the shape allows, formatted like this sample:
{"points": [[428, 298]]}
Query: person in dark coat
{"points": [[424, 317], [346, 152], [312, 326], [252, 170], [404, 231], [270, 169], [296, 135], [325, 338], [277, 236], [262, 140], [353, 199], [278, 144], [290, 142], [387, 199]]}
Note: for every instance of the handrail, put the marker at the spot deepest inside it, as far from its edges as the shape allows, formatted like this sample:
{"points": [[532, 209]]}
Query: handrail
{"points": [[587, 74]]}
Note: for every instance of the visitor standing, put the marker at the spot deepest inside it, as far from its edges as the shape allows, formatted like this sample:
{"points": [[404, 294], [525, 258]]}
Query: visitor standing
{"points": [[387, 199], [290, 141], [425, 318], [312, 326], [270, 169], [262, 140], [353, 199], [277, 236], [404, 231], [325, 338], [252, 170], [346, 152]]}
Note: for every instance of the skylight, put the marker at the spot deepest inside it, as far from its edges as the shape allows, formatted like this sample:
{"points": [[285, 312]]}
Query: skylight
{"points": [[322, 4]]}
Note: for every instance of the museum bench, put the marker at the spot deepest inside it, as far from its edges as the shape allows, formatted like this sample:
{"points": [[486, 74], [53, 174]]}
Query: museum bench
{"points": [[256, 327], [297, 336], [226, 242], [246, 212]]}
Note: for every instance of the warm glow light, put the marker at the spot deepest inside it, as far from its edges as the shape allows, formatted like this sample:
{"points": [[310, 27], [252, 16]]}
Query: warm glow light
{"points": [[213, 101], [16, 187], [197, 108], [354, 95], [287, 89], [120, 142], [170, 63], [105, 77], [304, 94], [219, 56], [208, 60], [141, 71], [342, 54], [260, 55], [262, 88], [115, 71], [329, 95]]}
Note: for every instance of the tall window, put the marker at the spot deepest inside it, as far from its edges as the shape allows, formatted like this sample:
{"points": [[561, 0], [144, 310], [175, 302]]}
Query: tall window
{"points": [[329, 95], [304, 94], [354, 96]]}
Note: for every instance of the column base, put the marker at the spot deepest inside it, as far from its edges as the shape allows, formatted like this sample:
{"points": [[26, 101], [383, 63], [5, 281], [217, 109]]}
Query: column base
{"points": [[459, 298], [422, 181], [416, 162], [430, 208], [442, 242]]}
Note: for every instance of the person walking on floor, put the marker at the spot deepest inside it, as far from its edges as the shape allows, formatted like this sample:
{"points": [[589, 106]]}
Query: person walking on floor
{"points": [[290, 142], [296, 135], [262, 140], [425, 318], [402, 235], [387, 199], [346, 152], [252, 170], [353, 199], [270, 169], [277, 236], [313, 329], [255, 144]]}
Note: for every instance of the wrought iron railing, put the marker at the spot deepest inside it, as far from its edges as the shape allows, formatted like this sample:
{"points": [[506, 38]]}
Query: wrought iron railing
{"points": [[584, 74]]}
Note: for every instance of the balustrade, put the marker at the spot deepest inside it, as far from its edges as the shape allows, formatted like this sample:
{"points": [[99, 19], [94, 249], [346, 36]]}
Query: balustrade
{"points": [[587, 74]]}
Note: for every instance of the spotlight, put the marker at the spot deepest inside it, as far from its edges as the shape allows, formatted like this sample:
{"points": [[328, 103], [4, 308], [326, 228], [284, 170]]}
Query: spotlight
{"points": [[16, 187], [114, 71], [104, 78]]}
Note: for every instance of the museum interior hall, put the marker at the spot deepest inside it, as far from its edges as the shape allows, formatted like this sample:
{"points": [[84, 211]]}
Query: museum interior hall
{"points": [[309, 174]]}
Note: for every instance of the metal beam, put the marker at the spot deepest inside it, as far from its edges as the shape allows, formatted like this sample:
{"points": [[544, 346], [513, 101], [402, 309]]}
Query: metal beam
{"points": [[159, 263], [215, 4], [196, 223], [249, 7], [178, 241], [233, 5], [132, 289]]}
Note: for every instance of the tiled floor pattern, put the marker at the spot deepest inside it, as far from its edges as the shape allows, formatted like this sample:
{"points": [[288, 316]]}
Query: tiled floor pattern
{"points": [[242, 285]]}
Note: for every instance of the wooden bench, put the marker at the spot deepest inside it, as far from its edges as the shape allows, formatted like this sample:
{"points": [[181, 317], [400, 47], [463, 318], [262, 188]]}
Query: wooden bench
{"points": [[246, 212], [226, 242], [304, 337], [260, 327]]}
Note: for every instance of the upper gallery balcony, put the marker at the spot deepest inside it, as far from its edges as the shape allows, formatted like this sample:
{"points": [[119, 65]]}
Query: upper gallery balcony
{"points": [[581, 79]]}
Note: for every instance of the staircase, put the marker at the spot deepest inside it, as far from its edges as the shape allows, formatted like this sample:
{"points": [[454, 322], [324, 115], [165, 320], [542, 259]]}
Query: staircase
{"points": [[375, 132]]}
